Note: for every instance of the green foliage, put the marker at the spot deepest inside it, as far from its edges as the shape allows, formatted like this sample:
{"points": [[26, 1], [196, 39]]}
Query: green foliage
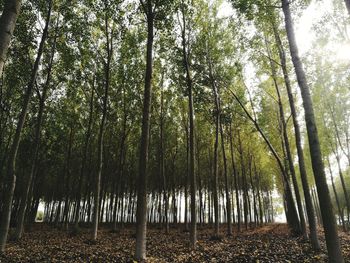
{"points": [[238, 49]]}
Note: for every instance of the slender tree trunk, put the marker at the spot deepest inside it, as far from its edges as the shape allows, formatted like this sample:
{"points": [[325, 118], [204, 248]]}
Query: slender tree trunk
{"points": [[141, 213], [10, 180], [330, 227], [244, 184], [306, 189], [336, 195], [337, 136], [7, 26], [216, 146], [67, 176], [227, 192], [193, 229], [261, 216], [255, 209], [342, 180], [347, 3], [187, 176], [85, 153], [291, 210], [24, 200], [162, 161], [235, 175], [109, 49], [215, 178], [288, 151]]}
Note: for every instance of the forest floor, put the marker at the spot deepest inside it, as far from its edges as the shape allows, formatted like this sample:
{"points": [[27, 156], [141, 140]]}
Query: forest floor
{"points": [[270, 243]]}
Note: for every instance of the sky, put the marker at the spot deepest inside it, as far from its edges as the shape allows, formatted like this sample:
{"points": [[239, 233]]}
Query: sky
{"points": [[305, 35]]}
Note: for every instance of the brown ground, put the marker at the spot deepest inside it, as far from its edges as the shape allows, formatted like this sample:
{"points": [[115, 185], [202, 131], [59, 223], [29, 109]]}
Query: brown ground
{"points": [[271, 243]]}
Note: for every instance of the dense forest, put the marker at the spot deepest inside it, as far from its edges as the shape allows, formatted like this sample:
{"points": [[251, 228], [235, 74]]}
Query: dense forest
{"points": [[206, 120]]}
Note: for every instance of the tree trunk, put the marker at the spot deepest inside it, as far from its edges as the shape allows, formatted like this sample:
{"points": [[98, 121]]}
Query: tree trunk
{"points": [[287, 147], [193, 229], [109, 50], [235, 175], [347, 3], [306, 189], [85, 153], [244, 183], [336, 196], [7, 26], [291, 210], [187, 175], [255, 209], [337, 136], [24, 200], [10, 180], [67, 176], [216, 161], [330, 227], [227, 192], [162, 161], [141, 213]]}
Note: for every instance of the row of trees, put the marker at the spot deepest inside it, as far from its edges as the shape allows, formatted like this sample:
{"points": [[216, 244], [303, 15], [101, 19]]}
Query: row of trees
{"points": [[207, 133]]}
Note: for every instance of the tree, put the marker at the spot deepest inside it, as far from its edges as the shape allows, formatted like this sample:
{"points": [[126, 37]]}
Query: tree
{"points": [[189, 84], [107, 67], [347, 4], [11, 165], [7, 26], [292, 216], [42, 99], [302, 169], [331, 233], [141, 218]]}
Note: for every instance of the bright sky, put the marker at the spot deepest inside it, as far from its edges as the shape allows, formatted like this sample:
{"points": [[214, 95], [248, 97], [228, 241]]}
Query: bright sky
{"points": [[303, 26]]}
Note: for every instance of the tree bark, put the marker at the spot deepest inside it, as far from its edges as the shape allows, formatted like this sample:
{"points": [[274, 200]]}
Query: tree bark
{"points": [[347, 3], [330, 227], [287, 146], [107, 63], [85, 153], [227, 192], [193, 229], [7, 26], [141, 213], [235, 176], [244, 183], [216, 146], [162, 161]]}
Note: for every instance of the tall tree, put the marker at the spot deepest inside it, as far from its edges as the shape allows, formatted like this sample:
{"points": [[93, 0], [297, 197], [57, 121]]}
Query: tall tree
{"points": [[38, 128], [302, 169], [7, 26], [189, 84], [11, 163], [329, 222], [286, 144], [141, 213], [292, 216], [107, 69]]}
